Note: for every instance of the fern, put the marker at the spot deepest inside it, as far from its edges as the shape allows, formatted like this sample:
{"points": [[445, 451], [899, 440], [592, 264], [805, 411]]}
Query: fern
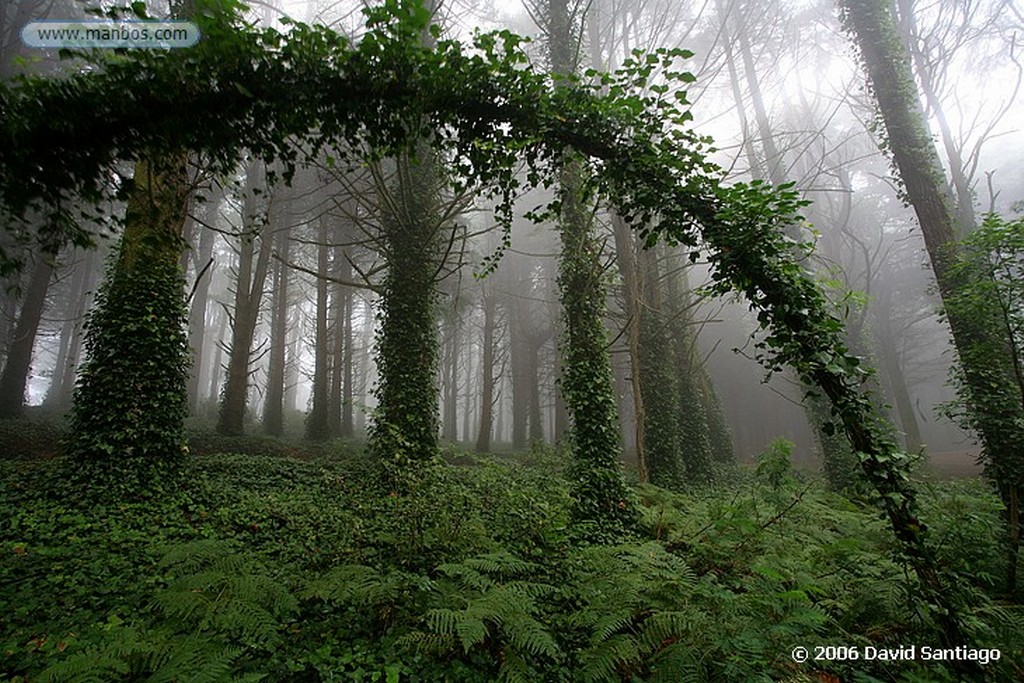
{"points": [[220, 591], [634, 603], [488, 604]]}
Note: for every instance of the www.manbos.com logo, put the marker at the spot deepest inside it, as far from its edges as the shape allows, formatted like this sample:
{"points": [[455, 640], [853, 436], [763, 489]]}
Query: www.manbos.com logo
{"points": [[110, 34]]}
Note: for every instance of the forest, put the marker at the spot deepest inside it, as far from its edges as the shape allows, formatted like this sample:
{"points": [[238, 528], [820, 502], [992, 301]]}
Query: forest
{"points": [[511, 340]]}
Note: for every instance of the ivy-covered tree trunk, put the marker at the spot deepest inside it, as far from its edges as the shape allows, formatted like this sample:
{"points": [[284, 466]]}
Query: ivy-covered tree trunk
{"points": [[625, 257], [599, 491], [404, 430], [126, 431], [1000, 424], [694, 432], [659, 385]]}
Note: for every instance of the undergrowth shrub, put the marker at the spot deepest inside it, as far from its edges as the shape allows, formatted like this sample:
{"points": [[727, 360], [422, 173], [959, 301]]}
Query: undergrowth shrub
{"points": [[24, 439], [315, 571]]}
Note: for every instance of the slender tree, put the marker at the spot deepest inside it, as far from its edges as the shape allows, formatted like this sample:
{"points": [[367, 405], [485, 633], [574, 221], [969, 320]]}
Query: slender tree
{"points": [[253, 264], [19, 353], [1000, 424]]}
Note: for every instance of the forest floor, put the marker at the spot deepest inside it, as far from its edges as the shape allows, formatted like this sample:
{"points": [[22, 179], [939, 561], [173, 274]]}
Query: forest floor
{"points": [[276, 561]]}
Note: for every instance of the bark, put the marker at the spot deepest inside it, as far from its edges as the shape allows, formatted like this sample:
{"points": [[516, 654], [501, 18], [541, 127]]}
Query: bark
{"points": [[337, 341], [201, 300], [483, 440], [517, 358], [625, 257], [273, 408], [19, 354], [347, 408], [450, 423], [252, 275], [317, 421]]}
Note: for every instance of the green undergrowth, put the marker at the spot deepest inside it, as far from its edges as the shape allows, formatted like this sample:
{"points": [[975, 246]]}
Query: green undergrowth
{"points": [[261, 567]]}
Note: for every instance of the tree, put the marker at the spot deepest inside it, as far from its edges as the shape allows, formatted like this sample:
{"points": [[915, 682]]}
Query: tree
{"points": [[600, 493], [258, 222], [126, 428], [19, 354], [273, 407], [990, 264], [650, 163], [1000, 424], [317, 428], [197, 318]]}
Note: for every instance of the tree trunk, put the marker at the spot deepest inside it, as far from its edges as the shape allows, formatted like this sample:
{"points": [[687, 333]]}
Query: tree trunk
{"points": [[599, 490], [317, 420], [248, 296], [659, 383], [216, 366], [347, 424], [517, 359], [273, 407], [19, 354], [964, 194], [337, 341], [694, 435], [201, 299], [127, 426], [58, 396], [483, 439], [625, 257]]}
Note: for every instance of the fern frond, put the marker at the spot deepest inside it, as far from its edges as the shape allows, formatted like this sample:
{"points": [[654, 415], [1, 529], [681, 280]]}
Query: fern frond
{"points": [[677, 663], [528, 635], [470, 630], [600, 663]]}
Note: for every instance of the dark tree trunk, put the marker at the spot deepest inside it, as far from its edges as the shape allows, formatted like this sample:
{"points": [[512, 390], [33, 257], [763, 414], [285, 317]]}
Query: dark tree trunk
{"points": [[317, 420], [273, 408], [337, 341], [483, 439], [347, 408], [252, 276], [19, 354], [517, 359]]}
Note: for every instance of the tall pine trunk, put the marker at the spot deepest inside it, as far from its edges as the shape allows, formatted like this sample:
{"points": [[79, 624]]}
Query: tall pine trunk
{"points": [[273, 407]]}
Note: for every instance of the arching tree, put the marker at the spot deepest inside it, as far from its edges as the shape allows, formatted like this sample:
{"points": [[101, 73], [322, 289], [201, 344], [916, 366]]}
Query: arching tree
{"points": [[262, 88]]}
